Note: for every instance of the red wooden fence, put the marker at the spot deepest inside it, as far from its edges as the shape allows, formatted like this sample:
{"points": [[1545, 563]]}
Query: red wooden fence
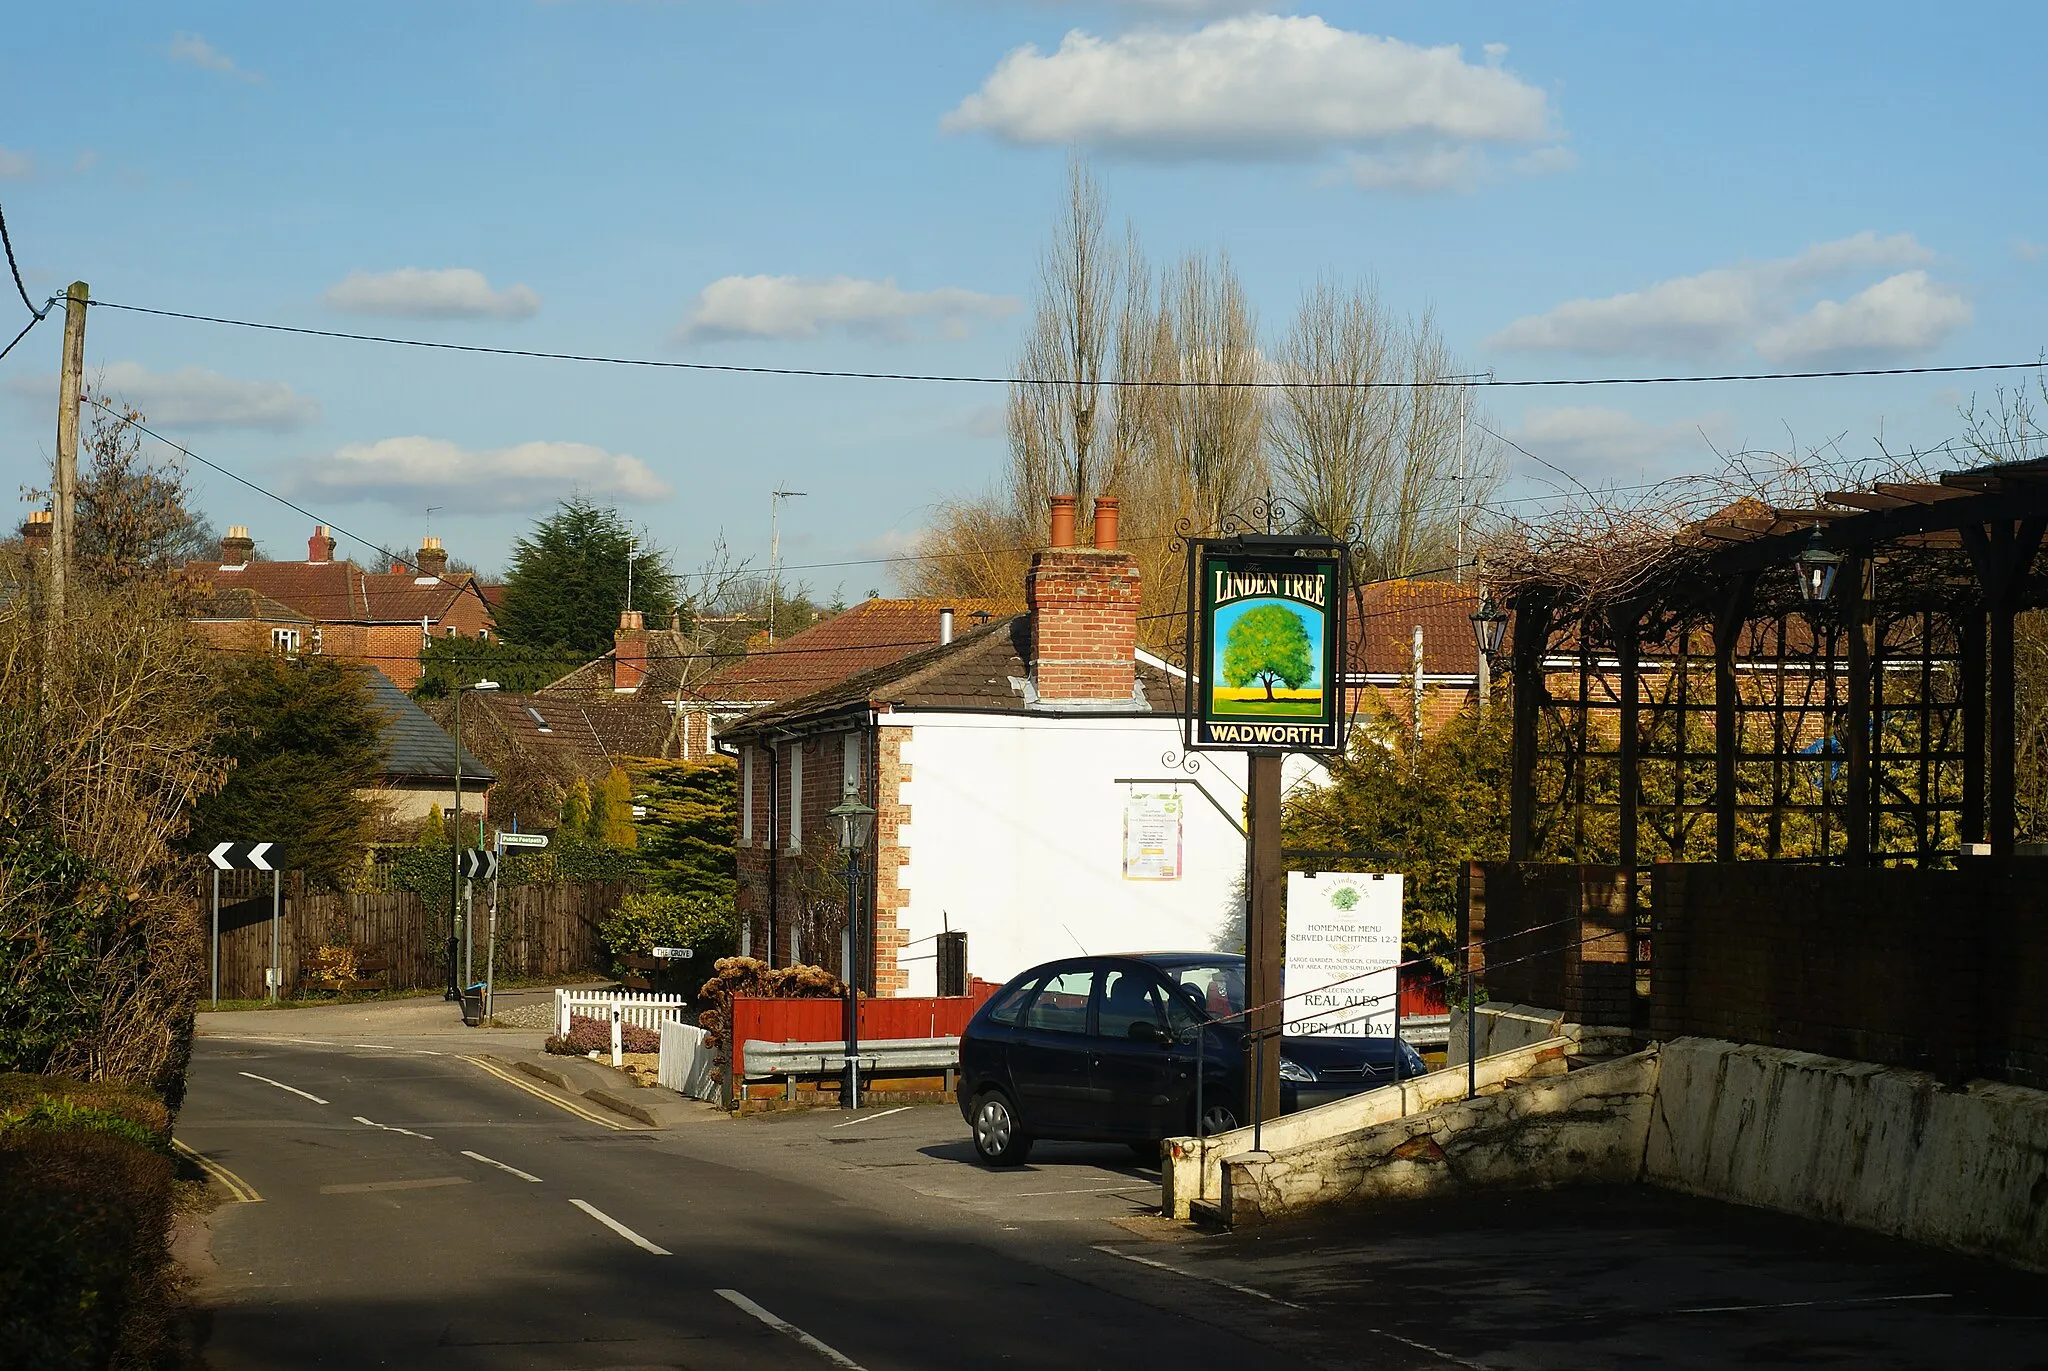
{"points": [[819, 1021]]}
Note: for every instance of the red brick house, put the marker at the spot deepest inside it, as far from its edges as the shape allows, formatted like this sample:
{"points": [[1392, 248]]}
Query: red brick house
{"points": [[335, 608], [1386, 619]]}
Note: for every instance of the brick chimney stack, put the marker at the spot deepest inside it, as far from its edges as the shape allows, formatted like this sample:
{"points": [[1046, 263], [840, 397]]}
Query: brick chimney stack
{"points": [[235, 549], [1084, 613], [629, 651], [432, 558], [36, 532], [320, 547]]}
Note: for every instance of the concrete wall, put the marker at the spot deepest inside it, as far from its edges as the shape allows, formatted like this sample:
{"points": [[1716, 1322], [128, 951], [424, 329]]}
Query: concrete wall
{"points": [[1587, 1127], [1192, 1168], [1850, 1142]]}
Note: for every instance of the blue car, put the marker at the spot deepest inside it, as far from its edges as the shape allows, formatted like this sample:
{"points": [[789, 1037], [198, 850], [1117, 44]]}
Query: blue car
{"points": [[1105, 1049]]}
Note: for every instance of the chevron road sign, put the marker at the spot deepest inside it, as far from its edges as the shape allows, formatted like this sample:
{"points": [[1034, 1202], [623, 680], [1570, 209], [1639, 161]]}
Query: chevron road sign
{"points": [[480, 864], [246, 857]]}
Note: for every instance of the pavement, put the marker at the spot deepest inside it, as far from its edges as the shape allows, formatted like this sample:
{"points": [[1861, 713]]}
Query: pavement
{"points": [[424, 1198]]}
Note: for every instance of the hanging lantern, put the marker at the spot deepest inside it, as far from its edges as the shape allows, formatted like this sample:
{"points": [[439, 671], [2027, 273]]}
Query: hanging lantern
{"points": [[1817, 567], [1488, 624]]}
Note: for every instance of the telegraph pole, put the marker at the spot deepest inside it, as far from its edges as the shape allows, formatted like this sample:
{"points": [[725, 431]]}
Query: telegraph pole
{"points": [[64, 491]]}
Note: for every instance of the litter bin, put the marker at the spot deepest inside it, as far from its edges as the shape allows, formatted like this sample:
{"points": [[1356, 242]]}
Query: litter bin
{"points": [[473, 1005]]}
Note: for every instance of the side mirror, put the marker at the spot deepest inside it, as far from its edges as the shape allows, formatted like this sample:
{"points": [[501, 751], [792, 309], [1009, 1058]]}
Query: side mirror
{"points": [[1145, 1031]]}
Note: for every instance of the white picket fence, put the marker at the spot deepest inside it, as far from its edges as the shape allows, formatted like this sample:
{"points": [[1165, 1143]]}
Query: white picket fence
{"points": [[687, 1062], [617, 1007]]}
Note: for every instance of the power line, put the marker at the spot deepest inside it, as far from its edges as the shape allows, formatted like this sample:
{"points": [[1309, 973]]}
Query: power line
{"points": [[33, 321], [1446, 382], [8, 243]]}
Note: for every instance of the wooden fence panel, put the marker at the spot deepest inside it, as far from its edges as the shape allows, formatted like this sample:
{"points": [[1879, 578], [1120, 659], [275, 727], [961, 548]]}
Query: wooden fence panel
{"points": [[543, 930]]}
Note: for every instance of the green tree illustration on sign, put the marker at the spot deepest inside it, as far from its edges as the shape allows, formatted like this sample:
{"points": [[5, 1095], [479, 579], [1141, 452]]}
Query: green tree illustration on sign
{"points": [[1268, 645]]}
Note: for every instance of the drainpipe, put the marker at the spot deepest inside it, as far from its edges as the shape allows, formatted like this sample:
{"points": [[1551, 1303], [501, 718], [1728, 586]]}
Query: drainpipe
{"points": [[774, 842]]}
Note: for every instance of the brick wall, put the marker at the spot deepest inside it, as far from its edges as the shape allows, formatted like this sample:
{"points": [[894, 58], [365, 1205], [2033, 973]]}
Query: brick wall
{"points": [[1940, 971], [891, 856], [1084, 635], [1553, 936]]}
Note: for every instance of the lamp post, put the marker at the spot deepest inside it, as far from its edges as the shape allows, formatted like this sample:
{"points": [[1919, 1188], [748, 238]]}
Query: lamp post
{"points": [[855, 823], [1488, 625], [1817, 567], [455, 852]]}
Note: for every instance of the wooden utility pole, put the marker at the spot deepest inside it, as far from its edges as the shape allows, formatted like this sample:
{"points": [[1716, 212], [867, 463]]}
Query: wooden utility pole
{"points": [[64, 491], [1265, 938]]}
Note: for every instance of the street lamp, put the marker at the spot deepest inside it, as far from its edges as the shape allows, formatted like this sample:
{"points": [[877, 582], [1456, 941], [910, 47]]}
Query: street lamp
{"points": [[455, 874], [854, 825], [1817, 567], [1488, 625]]}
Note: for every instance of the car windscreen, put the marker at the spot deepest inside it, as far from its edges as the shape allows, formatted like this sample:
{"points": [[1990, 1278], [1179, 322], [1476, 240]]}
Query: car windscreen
{"points": [[1216, 986]]}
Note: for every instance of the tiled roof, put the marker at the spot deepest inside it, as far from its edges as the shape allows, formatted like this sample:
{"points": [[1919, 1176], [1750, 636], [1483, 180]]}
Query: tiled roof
{"points": [[669, 661], [339, 592], [973, 672], [1382, 632], [583, 736], [240, 602], [416, 746], [874, 633]]}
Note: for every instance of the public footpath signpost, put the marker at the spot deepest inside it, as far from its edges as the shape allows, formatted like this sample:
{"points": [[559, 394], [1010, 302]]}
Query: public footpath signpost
{"points": [[497, 856], [247, 856], [1266, 678]]}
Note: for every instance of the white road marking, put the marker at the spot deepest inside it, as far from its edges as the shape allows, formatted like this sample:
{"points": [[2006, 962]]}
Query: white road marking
{"points": [[1098, 1190], [379, 1047], [1806, 1304], [782, 1325], [628, 1234], [1437, 1352], [869, 1118], [282, 1086], [392, 1128], [480, 1157]]}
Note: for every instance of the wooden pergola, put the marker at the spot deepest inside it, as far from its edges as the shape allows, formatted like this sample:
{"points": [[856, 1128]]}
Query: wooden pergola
{"points": [[1706, 707]]}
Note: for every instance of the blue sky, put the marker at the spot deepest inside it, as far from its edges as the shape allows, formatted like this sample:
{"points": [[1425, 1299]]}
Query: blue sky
{"points": [[1577, 189]]}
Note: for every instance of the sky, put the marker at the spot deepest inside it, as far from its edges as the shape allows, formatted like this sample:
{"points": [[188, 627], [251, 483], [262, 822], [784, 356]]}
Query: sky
{"points": [[1572, 189]]}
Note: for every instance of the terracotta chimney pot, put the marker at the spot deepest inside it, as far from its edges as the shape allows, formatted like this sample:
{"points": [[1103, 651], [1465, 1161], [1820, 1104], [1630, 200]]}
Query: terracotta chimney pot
{"points": [[1105, 523], [432, 558], [1062, 519]]}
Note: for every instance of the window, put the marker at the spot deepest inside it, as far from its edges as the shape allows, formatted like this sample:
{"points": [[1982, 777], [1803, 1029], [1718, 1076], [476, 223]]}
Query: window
{"points": [[1062, 1003], [850, 776], [539, 723], [796, 797], [285, 641], [746, 797], [483, 635], [1217, 988], [1007, 1004], [451, 630], [1129, 997]]}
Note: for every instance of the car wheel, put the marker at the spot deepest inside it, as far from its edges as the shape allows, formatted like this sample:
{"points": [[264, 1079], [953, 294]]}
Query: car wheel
{"points": [[998, 1139], [1218, 1118]]}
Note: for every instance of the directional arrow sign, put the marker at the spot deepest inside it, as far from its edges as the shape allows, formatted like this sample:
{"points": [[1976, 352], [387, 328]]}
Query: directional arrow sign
{"points": [[479, 864], [246, 856], [522, 840]]}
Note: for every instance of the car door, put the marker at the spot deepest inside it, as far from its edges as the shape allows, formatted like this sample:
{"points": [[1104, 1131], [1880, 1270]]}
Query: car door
{"points": [[1139, 1074], [1049, 1052]]}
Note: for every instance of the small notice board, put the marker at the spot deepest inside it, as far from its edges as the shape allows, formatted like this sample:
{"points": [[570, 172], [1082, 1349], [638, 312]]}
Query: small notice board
{"points": [[1152, 833], [1343, 949]]}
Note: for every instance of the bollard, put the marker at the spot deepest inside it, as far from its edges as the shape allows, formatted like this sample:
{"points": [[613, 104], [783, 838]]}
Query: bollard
{"points": [[618, 1052]]}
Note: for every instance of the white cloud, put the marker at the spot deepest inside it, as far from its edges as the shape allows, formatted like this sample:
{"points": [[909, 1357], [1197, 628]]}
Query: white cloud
{"points": [[1899, 316], [1712, 311], [192, 398], [15, 165], [413, 471], [420, 293], [195, 51], [1262, 87], [802, 306], [1595, 443]]}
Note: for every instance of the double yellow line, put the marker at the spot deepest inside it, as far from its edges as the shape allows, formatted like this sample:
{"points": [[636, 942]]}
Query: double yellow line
{"points": [[510, 1079], [241, 1191]]}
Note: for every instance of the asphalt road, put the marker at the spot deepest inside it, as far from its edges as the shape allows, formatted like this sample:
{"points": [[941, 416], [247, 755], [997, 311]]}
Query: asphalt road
{"points": [[812, 1240]]}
